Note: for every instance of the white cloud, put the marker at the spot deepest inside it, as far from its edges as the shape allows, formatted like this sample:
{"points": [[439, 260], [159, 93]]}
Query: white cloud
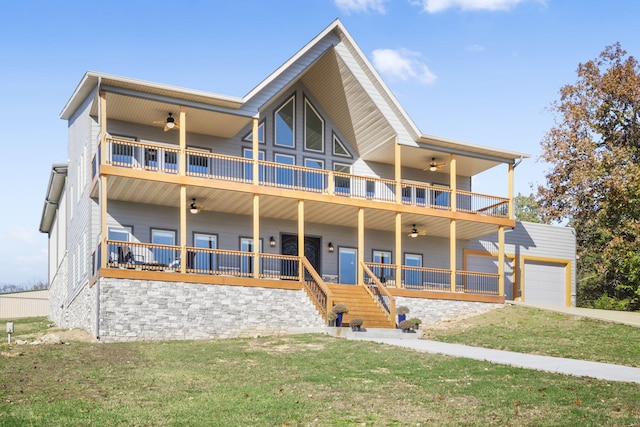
{"points": [[363, 6], [435, 6], [475, 48], [403, 65]]}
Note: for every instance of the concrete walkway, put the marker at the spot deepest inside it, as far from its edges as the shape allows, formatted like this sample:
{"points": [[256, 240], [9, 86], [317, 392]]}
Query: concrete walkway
{"points": [[559, 365]]}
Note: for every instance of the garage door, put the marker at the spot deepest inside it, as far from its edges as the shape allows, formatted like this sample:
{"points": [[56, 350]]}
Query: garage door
{"points": [[489, 264], [545, 283]]}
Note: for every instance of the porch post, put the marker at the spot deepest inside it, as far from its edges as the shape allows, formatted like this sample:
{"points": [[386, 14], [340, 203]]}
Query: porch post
{"points": [[501, 260], [510, 191], [398, 250], [182, 167], [103, 179], [360, 245], [183, 227], [301, 237], [398, 170], [452, 253], [256, 236], [255, 152], [453, 182]]}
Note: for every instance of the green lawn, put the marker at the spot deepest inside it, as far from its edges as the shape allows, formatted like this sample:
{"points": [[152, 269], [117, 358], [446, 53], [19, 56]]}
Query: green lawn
{"points": [[528, 330], [299, 380]]}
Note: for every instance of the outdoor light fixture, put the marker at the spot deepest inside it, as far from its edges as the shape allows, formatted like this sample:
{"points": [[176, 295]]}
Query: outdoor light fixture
{"points": [[272, 242], [193, 208], [414, 232], [330, 247]]}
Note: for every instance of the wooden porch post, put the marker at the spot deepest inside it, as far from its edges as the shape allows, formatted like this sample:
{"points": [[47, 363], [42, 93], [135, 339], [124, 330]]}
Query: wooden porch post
{"points": [[103, 179], [398, 250], [501, 260], [398, 170], [182, 167], [452, 253], [256, 236], [360, 245], [510, 191], [255, 152], [301, 237], [453, 182], [183, 227]]}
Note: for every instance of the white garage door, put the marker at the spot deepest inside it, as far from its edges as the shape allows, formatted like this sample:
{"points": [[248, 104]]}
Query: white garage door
{"points": [[489, 264], [545, 283]]}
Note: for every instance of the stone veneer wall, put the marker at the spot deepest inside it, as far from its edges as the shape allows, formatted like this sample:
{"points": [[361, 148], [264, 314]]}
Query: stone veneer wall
{"points": [[135, 310], [57, 288], [435, 310]]}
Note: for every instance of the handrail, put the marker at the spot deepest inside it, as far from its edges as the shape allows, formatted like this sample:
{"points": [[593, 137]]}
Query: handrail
{"points": [[384, 293], [165, 158], [320, 292]]}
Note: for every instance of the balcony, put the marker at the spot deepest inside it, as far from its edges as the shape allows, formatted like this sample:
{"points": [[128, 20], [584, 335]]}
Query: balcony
{"points": [[147, 257], [217, 167]]}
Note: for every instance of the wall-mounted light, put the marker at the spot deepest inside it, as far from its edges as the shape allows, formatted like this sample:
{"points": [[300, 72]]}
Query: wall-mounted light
{"points": [[193, 208], [330, 247], [272, 242]]}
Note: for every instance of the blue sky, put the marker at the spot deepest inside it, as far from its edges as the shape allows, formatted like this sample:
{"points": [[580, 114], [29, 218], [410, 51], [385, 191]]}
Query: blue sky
{"points": [[481, 71]]}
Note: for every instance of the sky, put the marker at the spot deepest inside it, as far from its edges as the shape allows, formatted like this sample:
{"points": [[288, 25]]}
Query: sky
{"points": [[478, 71]]}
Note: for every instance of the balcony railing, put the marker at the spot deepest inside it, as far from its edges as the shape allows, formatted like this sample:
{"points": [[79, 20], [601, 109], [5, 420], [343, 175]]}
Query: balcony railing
{"points": [[165, 159]]}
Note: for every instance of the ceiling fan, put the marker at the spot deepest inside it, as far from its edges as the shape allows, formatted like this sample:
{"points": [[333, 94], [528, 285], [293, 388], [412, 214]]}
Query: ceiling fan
{"points": [[415, 232], [169, 124], [434, 166]]}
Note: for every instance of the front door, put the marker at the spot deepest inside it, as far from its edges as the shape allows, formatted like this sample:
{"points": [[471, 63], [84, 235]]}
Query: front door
{"points": [[412, 276], [347, 271], [289, 246]]}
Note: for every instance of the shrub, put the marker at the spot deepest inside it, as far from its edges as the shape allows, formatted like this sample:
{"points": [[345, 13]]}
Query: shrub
{"points": [[415, 321], [402, 310], [340, 308], [406, 324], [331, 316], [355, 322]]}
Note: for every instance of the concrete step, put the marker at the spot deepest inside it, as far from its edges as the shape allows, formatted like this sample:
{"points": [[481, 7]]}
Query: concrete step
{"points": [[369, 333]]}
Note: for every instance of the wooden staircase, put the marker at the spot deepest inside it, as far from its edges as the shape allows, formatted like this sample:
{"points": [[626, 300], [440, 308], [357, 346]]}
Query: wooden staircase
{"points": [[361, 305]]}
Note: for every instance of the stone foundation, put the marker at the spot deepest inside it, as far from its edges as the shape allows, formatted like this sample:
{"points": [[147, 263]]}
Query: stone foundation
{"points": [[435, 310]]}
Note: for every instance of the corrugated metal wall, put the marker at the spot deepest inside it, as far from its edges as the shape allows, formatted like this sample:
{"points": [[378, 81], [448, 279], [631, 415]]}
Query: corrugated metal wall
{"points": [[24, 304]]}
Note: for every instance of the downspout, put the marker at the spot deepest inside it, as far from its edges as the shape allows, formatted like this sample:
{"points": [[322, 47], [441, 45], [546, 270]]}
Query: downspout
{"points": [[97, 333]]}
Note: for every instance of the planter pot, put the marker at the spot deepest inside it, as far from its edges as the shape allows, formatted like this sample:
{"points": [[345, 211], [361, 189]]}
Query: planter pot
{"points": [[401, 317], [416, 327], [338, 319], [332, 323], [355, 328]]}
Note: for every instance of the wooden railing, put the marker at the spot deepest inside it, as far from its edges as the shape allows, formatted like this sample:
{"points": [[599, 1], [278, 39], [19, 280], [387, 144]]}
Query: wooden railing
{"points": [[166, 159], [320, 294], [142, 256], [426, 278], [386, 273], [379, 293]]}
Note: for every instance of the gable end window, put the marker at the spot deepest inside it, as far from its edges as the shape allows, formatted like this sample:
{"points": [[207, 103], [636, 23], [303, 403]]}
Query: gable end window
{"points": [[285, 128], [339, 149], [313, 129], [249, 136]]}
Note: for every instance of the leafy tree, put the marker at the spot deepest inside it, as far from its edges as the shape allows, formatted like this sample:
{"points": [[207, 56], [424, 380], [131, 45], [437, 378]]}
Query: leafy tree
{"points": [[594, 181], [526, 208]]}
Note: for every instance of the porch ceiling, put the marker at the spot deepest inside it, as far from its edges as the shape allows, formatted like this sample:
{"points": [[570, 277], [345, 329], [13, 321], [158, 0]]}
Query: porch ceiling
{"points": [[241, 203]]}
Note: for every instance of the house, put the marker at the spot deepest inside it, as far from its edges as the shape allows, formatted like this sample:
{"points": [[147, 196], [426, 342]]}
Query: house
{"points": [[187, 214]]}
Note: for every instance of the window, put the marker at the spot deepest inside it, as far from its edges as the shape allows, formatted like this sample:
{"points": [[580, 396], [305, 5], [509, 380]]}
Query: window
{"points": [[382, 257], [246, 261], [342, 183], [116, 252], [249, 137], [314, 180], [122, 154], [247, 153], [204, 261], [285, 176], [412, 277], [285, 124], [313, 129], [164, 255], [339, 149]]}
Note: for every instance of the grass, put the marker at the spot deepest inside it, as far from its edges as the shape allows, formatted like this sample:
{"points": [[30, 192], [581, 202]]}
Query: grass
{"points": [[304, 380], [533, 331]]}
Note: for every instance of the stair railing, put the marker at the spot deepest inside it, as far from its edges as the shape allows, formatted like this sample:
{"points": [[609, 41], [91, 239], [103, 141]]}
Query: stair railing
{"points": [[379, 293], [316, 288]]}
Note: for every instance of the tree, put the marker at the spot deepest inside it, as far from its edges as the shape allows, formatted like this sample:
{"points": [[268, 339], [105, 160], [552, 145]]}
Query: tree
{"points": [[594, 180], [526, 208]]}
